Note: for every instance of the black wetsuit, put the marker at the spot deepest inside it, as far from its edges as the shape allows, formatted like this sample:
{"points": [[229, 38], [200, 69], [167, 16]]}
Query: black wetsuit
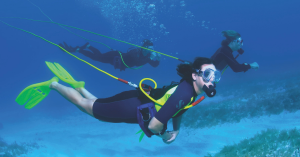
{"points": [[223, 57], [122, 108], [133, 57]]}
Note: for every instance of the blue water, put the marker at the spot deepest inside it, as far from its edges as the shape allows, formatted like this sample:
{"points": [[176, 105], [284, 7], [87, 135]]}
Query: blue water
{"points": [[184, 29]]}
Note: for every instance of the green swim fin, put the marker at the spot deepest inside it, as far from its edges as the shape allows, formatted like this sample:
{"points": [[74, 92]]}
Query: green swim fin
{"points": [[62, 74], [35, 93], [142, 134]]}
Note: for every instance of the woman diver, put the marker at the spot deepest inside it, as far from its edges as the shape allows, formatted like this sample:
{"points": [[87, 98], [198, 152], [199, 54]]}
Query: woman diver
{"points": [[134, 56], [223, 56], [198, 78]]}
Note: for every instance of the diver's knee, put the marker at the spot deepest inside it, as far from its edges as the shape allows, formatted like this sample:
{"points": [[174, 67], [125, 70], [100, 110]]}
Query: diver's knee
{"points": [[87, 105]]}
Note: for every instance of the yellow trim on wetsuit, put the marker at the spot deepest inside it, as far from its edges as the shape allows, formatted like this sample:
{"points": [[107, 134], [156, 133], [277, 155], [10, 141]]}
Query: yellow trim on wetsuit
{"points": [[160, 102], [164, 99]]}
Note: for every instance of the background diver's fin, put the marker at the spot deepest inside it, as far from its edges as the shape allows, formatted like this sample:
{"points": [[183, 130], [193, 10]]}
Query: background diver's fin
{"points": [[62, 74], [35, 93], [142, 135]]}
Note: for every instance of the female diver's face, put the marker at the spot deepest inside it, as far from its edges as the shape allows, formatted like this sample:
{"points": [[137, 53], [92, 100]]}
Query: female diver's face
{"points": [[199, 82], [236, 44]]}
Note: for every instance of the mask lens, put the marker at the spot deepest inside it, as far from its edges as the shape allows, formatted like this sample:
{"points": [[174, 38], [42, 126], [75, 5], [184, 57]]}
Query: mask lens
{"points": [[211, 75], [217, 76], [150, 47], [240, 40], [207, 74]]}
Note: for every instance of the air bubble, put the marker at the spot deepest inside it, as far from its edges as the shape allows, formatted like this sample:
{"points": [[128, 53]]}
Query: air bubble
{"points": [[151, 6], [182, 3]]}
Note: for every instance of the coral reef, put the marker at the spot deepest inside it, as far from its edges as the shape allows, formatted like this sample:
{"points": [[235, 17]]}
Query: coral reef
{"points": [[15, 149], [268, 143], [252, 100]]}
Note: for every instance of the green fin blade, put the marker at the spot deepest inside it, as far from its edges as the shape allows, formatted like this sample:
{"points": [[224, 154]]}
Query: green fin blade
{"points": [[24, 96], [56, 72], [139, 131], [35, 100], [141, 137], [35, 93], [64, 72], [61, 73]]}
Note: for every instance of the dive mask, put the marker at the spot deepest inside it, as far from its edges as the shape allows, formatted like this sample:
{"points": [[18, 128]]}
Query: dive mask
{"points": [[210, 75], [239, 41]]}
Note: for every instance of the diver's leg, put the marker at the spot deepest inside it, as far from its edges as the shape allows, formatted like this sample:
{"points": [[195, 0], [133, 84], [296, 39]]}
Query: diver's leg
{"points": [[96, 55], [84, 104], [86, 93], [120, 108]]}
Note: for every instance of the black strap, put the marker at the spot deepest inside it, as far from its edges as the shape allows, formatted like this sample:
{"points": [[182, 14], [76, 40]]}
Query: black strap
{"points": [[145, 114]]}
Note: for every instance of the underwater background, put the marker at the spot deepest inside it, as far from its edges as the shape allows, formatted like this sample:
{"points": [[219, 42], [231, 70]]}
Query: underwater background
{"points": [[255, 113]]}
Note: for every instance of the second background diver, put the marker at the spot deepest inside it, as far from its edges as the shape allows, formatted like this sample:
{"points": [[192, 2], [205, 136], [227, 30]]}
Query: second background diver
{"points": [[135, 57]]}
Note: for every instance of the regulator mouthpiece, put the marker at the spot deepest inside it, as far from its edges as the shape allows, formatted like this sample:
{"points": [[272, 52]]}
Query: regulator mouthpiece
{"points": [[210, 91]]}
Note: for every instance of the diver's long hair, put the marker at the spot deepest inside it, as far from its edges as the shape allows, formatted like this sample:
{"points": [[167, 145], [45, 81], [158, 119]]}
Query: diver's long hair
{"points": [[185, 70], [230, 35]]}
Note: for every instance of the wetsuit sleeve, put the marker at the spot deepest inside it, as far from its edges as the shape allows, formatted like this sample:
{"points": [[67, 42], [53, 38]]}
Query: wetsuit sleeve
{"points": [[234, 65], [133, 52], [180, 98]]}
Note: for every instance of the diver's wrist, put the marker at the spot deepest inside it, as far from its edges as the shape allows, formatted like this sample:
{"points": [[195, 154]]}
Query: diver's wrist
{"points": [[161, 133]]}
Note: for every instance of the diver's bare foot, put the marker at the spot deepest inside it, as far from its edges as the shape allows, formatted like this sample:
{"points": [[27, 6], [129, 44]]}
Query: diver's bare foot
{"points": [[53, 85]]}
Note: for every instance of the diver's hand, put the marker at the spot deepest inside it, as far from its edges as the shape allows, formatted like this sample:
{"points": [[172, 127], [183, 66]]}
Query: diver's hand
{"points": [[68, 48], [254, 65], [166, 135], [240, 51], [173, 137]]}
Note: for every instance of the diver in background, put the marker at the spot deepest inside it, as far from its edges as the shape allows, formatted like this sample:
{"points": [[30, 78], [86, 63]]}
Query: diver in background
{"points": [[133, 57], [223, 56]]}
